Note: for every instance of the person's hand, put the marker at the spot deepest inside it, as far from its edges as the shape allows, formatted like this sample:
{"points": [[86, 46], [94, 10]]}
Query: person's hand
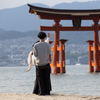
{"points": [[32, 52], [48, 35], [27, 70]]}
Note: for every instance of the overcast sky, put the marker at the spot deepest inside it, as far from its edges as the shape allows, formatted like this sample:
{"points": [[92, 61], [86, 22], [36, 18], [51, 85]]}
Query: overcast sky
{"points": [[14, 3]]}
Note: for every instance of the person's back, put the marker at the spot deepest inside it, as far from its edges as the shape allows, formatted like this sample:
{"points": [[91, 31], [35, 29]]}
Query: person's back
{"points": [[31, 58], [42, 51]]}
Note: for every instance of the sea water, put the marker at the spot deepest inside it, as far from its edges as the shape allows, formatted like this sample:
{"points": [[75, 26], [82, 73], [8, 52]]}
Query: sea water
{"points": [[77, 80]]}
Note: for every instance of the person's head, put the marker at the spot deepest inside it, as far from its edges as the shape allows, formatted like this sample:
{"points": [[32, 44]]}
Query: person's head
{"points": [[42, 35]]}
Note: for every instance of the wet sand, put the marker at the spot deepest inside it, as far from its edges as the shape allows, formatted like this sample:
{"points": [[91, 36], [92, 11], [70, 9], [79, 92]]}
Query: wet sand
{"points": [[14, 96]]}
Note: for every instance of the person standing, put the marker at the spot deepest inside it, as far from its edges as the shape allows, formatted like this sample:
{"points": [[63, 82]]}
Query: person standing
{"points": [[41, 51], [31, 57]]}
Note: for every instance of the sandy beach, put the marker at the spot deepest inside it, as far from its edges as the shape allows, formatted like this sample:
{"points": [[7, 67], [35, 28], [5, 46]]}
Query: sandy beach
{"points": [[12, 96]]}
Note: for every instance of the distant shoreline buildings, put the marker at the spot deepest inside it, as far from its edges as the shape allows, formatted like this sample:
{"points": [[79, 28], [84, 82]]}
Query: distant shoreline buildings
{"points": [[14, 52]]}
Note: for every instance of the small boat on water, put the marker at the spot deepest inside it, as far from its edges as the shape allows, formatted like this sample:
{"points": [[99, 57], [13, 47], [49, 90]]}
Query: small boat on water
{"points": [[77, 64]]}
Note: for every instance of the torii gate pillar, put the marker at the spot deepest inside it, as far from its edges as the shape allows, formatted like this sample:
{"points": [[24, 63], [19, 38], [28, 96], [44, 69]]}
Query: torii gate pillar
{"points": [[96, 45], [96, 49], [91, 67], [56, 44]]}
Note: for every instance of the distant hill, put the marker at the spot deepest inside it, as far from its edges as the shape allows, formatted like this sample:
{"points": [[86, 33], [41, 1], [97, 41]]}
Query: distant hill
{"points": [[15, 34], [79, 5], [73, 37], [77, 37], [1, 30], [19, 18]]}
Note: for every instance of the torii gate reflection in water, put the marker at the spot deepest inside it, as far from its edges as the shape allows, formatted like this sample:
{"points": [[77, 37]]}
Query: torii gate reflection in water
{"points": [[76, 16]]}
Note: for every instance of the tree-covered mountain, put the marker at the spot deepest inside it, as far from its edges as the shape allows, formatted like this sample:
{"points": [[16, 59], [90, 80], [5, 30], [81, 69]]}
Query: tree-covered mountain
{"points": [[76, 37], [79, 5], [16, 34], [19, 19]]}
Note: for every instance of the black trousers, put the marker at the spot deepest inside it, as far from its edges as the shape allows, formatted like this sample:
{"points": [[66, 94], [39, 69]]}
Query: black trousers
{"points": [[43, 83]]}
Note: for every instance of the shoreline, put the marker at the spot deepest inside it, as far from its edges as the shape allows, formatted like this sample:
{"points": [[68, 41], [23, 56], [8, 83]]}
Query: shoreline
{"points": [[20, 96]]}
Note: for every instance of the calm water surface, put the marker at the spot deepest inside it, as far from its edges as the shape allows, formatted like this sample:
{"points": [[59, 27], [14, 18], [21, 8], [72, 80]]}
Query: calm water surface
{"points": [[77, 80]]}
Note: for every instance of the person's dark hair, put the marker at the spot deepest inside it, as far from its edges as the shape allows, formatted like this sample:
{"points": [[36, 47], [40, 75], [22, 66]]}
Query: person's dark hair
{"points": [[41, 35]]}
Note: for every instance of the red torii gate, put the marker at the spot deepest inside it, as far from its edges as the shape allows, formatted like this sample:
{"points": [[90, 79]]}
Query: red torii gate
{"points": [[74, 15]]}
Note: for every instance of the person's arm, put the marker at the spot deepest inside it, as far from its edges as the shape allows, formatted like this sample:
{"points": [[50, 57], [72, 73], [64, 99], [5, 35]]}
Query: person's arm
{"points": [[28, 70], [30, 61], [35, 51], [47, 40], [48, 36]]}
